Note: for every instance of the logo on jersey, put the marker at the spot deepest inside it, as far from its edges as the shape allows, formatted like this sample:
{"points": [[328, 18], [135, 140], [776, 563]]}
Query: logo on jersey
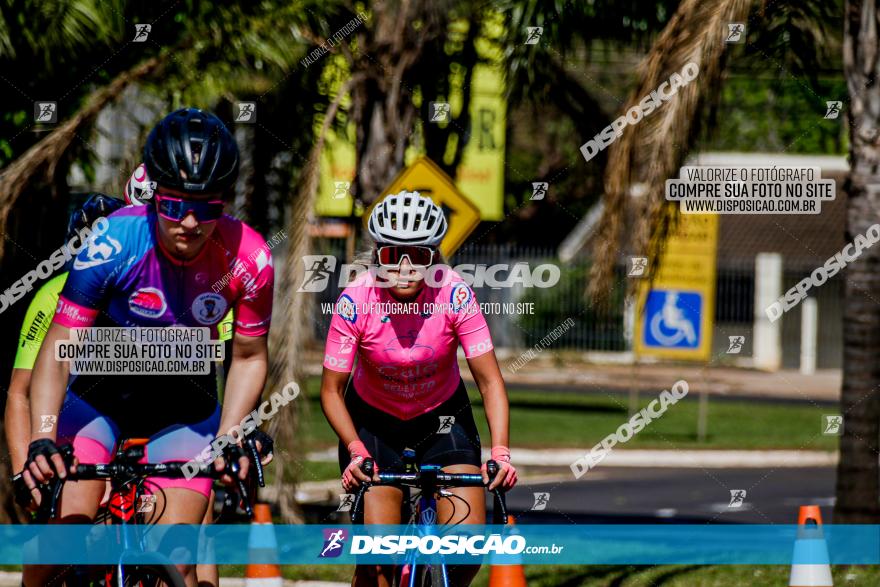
{"points": [[34, 329], [101, 249], [148, 302], [404, 350], [346, 345], [345, 307], [208, 308], [460, 297]]}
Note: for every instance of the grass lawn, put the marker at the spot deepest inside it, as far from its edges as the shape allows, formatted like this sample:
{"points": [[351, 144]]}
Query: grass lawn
{"points": [[542, 419]]}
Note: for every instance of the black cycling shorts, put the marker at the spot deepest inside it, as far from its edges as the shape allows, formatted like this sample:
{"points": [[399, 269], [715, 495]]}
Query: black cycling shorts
{"points": [[436, 439]]}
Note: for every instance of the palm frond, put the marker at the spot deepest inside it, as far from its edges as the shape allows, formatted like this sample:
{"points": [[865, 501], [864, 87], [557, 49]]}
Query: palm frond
{"points": [[45, 155], [653, 150]]}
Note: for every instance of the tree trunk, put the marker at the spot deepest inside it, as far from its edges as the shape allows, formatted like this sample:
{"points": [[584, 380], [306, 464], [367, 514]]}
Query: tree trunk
{"points": [[858, 473]]}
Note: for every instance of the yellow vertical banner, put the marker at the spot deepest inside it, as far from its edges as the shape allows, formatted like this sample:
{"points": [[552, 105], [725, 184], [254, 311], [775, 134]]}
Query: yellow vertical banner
{"points": [[481, 173], [480, 176], [337, 173], [675, 312]]}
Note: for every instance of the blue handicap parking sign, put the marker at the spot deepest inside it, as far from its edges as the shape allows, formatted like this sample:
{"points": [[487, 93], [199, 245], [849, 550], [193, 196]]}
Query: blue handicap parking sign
{"points": [[672, 319]]}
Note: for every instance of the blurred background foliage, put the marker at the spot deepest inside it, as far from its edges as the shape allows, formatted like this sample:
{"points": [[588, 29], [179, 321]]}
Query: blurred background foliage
{"points": [[561, 92]]}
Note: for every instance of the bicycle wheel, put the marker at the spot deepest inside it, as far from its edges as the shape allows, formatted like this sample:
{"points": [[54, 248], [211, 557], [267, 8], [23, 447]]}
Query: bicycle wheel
{"points": [[431, 576], [151, 576], [147, 575]]}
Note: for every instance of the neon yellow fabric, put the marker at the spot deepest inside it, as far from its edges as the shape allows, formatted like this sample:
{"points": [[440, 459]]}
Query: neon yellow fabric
{"points": [[36, 322]]}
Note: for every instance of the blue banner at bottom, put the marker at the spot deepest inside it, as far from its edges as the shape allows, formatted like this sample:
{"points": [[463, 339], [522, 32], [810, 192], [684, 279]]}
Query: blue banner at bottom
{"points": [[523, 544]]}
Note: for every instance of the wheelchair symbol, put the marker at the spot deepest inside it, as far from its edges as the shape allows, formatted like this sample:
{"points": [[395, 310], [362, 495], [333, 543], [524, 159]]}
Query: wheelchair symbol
{"points": [[670, 326]]}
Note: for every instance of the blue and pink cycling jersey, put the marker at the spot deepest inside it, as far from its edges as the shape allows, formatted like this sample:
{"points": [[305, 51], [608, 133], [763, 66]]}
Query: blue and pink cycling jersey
{"points": [[407, 352], [125, 278]]}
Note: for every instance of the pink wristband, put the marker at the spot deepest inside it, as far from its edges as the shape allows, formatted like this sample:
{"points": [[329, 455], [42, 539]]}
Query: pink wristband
{"points": [[356, 448], [501, 453]]}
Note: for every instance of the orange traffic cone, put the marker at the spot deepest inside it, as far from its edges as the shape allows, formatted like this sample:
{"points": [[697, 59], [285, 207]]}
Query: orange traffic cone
{"points": [[513, 575], [810, 545], [262, 547]]}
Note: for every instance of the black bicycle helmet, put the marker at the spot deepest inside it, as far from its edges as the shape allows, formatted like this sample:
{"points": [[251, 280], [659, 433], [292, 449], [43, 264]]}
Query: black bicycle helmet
{"points": [[192, 151], [95, 207]]}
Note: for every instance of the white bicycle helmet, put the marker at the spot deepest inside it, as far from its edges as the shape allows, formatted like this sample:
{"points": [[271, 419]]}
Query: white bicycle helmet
{"points": [[138, 188], [407, 218]]}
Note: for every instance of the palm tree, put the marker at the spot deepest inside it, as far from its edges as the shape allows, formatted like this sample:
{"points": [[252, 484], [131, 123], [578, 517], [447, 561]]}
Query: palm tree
{"points": [[197, 67], [654, 150], [858, 494]]}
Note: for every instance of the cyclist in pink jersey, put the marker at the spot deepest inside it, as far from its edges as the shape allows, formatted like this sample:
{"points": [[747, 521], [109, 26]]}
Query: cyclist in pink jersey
{"points": [[404, 326]]}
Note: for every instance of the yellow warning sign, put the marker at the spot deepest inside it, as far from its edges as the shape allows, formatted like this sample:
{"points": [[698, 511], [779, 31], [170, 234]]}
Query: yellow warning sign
{"points": [[675, 316], [425, 177]]}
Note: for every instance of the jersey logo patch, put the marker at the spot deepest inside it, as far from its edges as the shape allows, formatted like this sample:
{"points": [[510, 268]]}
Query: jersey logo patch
{"points": [[148, 302], [35, 328], [101, 249], [208, 308], [460, 297], [345, 307], [346, 345]]}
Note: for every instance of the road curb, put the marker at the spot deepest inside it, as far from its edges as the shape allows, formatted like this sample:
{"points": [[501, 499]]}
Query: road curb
{"points": [[563, 457]]}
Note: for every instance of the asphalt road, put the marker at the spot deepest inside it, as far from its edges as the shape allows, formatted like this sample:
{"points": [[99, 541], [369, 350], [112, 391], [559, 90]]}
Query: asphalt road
{"points": [[655, 495]]}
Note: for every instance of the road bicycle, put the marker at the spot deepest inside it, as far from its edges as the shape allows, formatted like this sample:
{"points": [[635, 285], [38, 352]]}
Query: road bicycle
{"points": [[130, 510], [429, 481]]}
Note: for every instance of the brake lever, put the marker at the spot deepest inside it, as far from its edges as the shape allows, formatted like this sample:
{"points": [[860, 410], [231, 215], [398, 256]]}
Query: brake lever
{"points": [[23, 496], [234, 468], [357, 508], [499, 505], [254, 454], [56, 485]]}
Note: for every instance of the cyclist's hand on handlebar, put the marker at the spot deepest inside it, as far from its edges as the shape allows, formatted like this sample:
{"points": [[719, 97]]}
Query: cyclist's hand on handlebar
{"points": [[265, 445], [506, 477], [234, 463], [45, 462], [353, 476]]}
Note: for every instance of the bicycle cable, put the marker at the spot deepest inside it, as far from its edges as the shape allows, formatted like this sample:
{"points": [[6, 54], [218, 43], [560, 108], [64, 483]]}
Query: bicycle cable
{"points": [[452, 517]]}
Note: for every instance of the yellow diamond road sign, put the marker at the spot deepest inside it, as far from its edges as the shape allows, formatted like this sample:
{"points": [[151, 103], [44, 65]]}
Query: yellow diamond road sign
{"points": [[425, 177]]}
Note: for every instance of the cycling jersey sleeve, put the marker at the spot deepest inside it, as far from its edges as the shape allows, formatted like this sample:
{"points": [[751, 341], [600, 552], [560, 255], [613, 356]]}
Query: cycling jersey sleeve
{"points": [[36, 322], [224, 328], [468, 321], [93, 272], [343, 336], [253, 311]]}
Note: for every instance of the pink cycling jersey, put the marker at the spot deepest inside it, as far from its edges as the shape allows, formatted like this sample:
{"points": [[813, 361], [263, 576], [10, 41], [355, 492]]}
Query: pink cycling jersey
{"points": [[407, 363]]}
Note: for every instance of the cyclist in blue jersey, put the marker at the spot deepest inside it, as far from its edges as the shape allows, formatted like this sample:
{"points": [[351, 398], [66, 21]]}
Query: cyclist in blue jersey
{"points": [[156, 265]]}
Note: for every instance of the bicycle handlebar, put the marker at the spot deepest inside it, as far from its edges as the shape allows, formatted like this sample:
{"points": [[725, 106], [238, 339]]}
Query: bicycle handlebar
{"points": [[437, 479], [124, 468], [164, 470]]}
